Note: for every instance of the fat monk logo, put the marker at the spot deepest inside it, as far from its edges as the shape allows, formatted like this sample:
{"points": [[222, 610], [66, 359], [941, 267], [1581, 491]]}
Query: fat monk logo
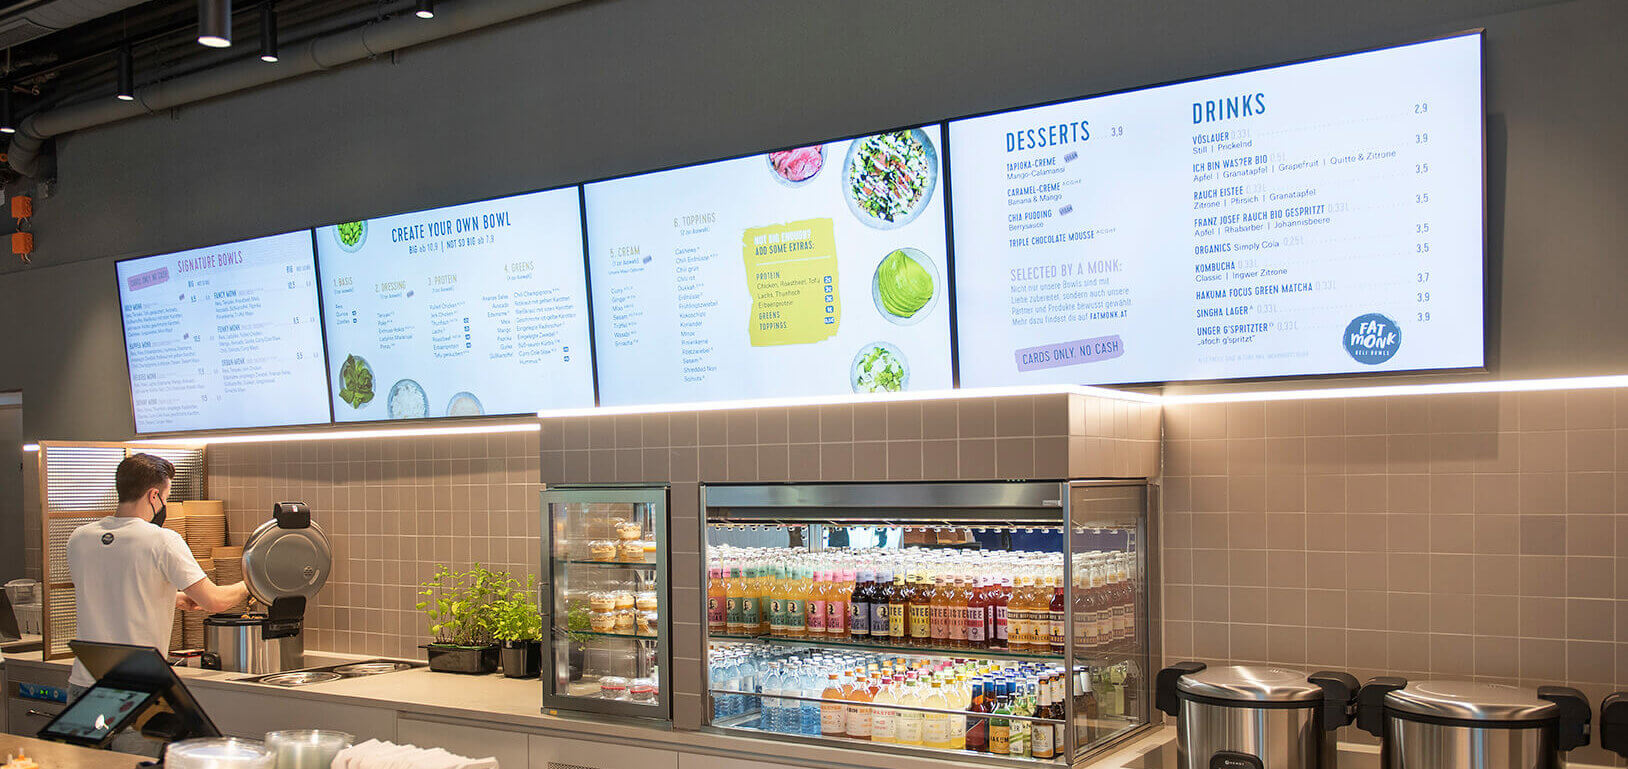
{"points": [[1372, 339]]}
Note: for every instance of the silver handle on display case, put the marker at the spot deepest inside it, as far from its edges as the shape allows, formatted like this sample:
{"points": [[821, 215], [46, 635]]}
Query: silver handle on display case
{"points": [[40, 714]]}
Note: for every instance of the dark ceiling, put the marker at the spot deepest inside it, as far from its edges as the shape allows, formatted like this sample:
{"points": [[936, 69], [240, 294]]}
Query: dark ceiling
{"points": [[79, 63]]}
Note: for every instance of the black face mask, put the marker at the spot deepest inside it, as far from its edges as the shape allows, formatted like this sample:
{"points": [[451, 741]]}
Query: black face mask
{"points": [[158, 517]]}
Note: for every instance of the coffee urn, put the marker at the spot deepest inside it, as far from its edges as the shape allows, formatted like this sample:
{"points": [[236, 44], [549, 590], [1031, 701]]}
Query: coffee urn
{"points": [[1465, 725], [1246, 717]]}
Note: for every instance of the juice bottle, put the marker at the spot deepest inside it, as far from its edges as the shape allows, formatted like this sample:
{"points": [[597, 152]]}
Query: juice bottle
{"points": [[911, 722], [837, 590], [960, 697], [1055, 620], [796, 601], [938, 612], [898, 601], [859, 709], [751, 618], [977, 735], [920, 597], [885, 720], [960, 601], [777, 601], [717, 601], [734, 592], [936, 726], [1000, 729], [1017, 615], [814, 605], [833, 711], [1002, 595], [859, 606], [973, 622], [760, 588]]}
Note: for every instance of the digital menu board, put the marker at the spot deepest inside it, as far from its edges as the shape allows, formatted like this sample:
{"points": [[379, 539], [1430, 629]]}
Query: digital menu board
{"points": [[458, 312], [816, 270], [224, 337], [1312, 218]]}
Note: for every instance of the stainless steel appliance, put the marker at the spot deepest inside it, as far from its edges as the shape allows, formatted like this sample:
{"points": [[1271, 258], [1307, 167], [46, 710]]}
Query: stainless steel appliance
{"points": [[1244, 717], [1466, 725], [285, 562], [240, 643]]}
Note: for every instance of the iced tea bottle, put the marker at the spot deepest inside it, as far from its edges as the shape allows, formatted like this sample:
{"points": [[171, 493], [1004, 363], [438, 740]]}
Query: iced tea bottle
{"points": [[814, 606], [1055, 621], [898, 606], [939, 613], [920, 600], [977, 605]]}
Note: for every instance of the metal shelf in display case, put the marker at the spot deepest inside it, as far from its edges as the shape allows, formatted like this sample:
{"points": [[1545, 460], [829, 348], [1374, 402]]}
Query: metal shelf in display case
{"points": [[604, 555], [1085, 543]]}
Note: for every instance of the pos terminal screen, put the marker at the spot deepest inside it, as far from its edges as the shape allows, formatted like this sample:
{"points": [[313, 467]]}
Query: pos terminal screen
{"points": [[95, 717]]}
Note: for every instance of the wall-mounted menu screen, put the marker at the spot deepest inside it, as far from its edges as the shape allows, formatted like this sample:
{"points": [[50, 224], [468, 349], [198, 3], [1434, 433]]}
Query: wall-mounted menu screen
{"points": [[458, 312], [810, 271], [224, 337], [1312, 218]]}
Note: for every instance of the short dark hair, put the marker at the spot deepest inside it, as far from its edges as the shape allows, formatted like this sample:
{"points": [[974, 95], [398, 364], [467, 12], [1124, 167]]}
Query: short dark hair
{"points": [[139, 474]]}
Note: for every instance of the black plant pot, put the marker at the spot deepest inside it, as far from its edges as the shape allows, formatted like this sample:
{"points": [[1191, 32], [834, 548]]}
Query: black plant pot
{"points": [[522, 659], [446, 658]]}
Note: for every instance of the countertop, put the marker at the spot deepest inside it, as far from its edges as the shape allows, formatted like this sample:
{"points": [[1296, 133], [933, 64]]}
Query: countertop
{"points": [[56, 755]]}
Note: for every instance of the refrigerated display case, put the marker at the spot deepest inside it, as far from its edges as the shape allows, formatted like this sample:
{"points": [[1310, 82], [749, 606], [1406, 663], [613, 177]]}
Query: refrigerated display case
{"points": [[1003, 623], [605, 599]]}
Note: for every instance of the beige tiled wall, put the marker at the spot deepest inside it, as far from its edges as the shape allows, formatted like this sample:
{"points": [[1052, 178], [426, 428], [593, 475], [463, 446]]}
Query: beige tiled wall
{"points": [[1041, 436], [394, 508], [1441, 535]]}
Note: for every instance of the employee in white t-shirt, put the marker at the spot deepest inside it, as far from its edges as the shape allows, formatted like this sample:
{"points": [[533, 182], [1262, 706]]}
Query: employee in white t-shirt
{"points": [[127, 569]]}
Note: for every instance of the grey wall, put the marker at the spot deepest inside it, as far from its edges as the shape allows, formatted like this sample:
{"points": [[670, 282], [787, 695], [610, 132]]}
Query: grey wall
{"points": [[614, 86], [11, 493]]}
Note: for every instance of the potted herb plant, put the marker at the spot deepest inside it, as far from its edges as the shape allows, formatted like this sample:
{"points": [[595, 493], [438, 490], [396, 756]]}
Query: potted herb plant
{"points": [[518, 627], [458, 605]]}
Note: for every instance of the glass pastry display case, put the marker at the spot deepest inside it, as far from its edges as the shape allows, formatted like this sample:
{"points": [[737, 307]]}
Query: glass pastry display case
{"points": [[605, 599], [1002, 623]]}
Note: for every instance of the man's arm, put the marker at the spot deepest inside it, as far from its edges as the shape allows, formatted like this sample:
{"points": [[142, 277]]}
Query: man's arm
{"points": [[210, 597]]}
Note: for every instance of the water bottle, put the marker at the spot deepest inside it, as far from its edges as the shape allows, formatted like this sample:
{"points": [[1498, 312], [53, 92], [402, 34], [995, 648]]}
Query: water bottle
{"points": [[774, 712], [716, 675], [810, 685]]}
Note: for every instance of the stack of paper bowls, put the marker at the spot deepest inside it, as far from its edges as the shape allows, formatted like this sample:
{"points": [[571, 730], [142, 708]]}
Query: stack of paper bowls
{"points": [[192, 624], [229, 571], [206, 526], [175, 518]]}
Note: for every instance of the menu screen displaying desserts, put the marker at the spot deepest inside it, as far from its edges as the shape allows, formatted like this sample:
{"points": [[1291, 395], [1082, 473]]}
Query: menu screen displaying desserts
{"points": [[458, 312], [226, 336], [1313, 218], [817, 270]]}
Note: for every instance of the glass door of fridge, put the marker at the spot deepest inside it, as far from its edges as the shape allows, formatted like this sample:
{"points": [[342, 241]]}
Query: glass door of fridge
{"points": [[605, 594], [1109, 544]]}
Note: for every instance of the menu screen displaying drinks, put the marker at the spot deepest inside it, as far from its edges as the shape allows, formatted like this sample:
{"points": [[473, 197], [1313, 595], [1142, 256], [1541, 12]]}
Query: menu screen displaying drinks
{"points": [[458, 312], [223, 337], [815, 270], [1313, 218]]}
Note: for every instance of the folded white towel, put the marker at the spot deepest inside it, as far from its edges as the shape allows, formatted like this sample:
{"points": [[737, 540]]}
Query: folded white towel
{"points": [[379, 754]]}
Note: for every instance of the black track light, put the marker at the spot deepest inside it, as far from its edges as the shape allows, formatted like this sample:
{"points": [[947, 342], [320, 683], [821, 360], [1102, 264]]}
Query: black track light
{"points": [[268, 33], [7, 124], [426, 9], [215, 23], [127, 75]]}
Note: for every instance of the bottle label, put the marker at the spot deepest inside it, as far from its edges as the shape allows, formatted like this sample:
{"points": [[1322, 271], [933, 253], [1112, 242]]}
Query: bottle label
{"points": [[935, 616], [1056, 626], [816, 616], [977, 733], [1018, 740], [1017, 629], [749, 615], [1000, 740], [884, 726], [836, 617], [794, 615], [732, 610], [1041, 743], [974, 624], [1000, 624], [910, 728], [833, 719], [859, 722], [920, 622], [895, 620], [717, 613], [859, 619], [936, 730], [989, 623], [777, 615]]}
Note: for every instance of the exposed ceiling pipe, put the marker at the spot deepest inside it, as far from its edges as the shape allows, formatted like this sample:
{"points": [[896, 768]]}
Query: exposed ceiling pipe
{"points": [[41, 19], [314, 56]]}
